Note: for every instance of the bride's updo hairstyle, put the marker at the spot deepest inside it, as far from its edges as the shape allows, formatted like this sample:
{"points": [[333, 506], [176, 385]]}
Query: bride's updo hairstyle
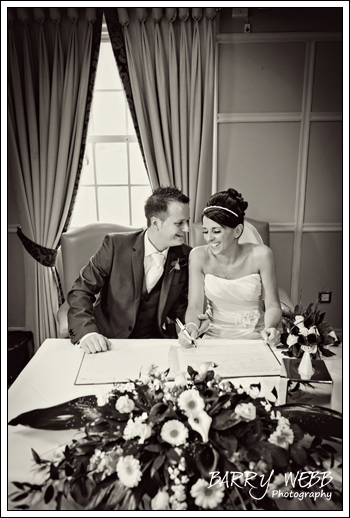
{"points": [[226, 208]]}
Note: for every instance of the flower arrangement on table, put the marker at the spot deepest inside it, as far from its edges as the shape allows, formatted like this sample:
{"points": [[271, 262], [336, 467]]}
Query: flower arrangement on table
{"points": [[306, 331], [196, 444]]}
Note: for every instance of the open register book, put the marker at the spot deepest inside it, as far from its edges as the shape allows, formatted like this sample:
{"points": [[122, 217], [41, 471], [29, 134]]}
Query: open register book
{"points": [[129, 359]]}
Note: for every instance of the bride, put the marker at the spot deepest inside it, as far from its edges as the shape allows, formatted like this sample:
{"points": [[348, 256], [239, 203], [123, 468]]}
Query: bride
{"points": [[237, 278]]}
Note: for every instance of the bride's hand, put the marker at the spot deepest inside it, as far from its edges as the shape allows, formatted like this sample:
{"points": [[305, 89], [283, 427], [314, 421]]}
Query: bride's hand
{"points": [[186, 341], [204, 323], [271, 335]]}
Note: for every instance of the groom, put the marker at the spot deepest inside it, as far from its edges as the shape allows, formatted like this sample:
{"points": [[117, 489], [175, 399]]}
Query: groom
{"points": [[140, 278]]}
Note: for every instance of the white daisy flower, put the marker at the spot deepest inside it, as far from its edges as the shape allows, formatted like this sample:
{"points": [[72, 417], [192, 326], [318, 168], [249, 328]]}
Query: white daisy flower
{"points": [[129, 471], [174, 432], [207, 497], [190, 401]]}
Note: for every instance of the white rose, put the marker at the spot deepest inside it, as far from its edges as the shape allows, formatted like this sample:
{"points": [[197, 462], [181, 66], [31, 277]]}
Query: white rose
{"points": [[124, 404], [160, 502], [303, 330], [292, 339], [246, 411]]}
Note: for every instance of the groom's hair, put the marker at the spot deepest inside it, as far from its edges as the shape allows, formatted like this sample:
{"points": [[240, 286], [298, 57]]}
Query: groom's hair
{"points": [[157, 204]]}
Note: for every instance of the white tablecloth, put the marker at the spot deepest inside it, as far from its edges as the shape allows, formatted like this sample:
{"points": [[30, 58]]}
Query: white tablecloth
{"points": [[48, 380]]}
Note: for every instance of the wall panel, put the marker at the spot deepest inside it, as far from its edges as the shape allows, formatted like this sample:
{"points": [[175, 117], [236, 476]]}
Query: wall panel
{"points": [[321, 269], [260, 161], [281, 244], [259, 77], [328, 85], [324, 174]]}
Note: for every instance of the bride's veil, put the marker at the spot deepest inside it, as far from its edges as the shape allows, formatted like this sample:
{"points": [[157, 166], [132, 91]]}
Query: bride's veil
{"points": [[250, 235]]}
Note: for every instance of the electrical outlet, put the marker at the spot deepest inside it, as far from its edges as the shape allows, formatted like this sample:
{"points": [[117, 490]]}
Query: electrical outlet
{"points": [[325, 297]]}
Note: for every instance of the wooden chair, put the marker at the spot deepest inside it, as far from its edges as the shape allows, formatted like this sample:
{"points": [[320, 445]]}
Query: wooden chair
{"points": [[77, 246]]}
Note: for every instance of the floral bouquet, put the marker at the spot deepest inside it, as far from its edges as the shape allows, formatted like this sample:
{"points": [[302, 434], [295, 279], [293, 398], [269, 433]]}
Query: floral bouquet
{"points": [[306, 331], [196, 444]]}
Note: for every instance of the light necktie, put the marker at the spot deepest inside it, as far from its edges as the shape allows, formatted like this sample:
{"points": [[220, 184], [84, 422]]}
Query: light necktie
{"points": [[156, 270]]}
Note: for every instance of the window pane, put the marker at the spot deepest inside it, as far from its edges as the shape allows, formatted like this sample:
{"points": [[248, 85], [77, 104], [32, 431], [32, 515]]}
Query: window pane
{"points": [[138, 198], [111, 163], [107, 75], [138, 172], [87, 172], [108, 114], [85, 207], [113, 205]]}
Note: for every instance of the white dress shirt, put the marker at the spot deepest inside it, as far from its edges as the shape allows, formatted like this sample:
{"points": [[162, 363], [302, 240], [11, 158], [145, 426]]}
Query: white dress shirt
{"points": [[148, 263]]}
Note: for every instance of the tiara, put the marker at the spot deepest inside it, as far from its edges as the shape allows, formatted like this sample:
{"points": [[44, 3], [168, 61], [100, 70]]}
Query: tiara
{"points": [[218, 207]]}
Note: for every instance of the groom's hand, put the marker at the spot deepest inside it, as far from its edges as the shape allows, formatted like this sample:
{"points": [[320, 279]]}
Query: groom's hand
{"points": [[96, 343]]}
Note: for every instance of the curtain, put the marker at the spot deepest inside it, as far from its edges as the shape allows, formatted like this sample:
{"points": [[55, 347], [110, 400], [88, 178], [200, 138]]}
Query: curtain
{"points": [[52, 58], [170, 55]]}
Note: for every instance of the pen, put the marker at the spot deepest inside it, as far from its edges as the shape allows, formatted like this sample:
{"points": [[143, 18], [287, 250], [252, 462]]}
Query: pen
{"points": [[183, 328]]}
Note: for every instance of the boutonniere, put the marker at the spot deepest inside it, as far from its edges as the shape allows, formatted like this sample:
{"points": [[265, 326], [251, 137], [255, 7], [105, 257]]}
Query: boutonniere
{"points": [[179, 263]]}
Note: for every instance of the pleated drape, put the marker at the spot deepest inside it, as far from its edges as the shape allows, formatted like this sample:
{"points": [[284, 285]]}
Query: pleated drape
{"points": [[170, 54], [50, 77]]}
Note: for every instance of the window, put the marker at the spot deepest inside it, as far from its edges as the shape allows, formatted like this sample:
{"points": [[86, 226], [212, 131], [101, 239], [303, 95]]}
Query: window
{"points": [[114, 183]]}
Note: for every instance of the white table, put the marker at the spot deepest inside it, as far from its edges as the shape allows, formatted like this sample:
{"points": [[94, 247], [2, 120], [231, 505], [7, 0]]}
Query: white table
{"points": [[48, 380]]}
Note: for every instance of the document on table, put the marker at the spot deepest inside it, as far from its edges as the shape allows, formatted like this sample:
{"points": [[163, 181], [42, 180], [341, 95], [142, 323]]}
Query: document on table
{"points": [[234, 358], [127, 360]]}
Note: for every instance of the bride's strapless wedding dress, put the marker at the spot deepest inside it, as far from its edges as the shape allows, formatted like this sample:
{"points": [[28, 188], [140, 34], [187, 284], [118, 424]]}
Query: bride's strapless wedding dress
{"points": [[234, 307]]}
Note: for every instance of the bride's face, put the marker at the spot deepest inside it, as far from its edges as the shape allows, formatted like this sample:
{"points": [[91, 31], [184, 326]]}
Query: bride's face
{"points": [[219, 238]]}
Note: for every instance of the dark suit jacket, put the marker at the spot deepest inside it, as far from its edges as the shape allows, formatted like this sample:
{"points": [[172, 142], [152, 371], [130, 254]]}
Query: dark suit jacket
{"points": [[116, 273]]}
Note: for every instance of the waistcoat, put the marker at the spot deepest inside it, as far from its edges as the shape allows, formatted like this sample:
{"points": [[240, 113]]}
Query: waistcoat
{"points": [[146, 322]]}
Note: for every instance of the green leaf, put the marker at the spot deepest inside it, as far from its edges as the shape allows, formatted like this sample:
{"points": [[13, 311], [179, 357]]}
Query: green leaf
{"points": [[316, 442], [227, 444], [322, 453], [22, 496], [224, 420], [68, 470], [279, 455], [155, 448], [48, 494], [298, 454], [158, 462], [36, 456], [172, 455], [160, 411], [329, 448], [53, 472], [18, 484], [297, 431]]}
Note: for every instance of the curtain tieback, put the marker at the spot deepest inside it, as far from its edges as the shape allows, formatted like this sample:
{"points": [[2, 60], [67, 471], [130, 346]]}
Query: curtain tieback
{"points": [[44, 256]]}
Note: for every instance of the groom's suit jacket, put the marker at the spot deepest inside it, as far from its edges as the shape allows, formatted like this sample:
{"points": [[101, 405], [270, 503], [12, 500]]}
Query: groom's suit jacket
{"points": [[114, 277]]}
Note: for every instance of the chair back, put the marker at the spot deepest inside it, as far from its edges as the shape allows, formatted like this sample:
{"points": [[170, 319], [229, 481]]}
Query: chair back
{"points": [[79, 245], [197, 239]]}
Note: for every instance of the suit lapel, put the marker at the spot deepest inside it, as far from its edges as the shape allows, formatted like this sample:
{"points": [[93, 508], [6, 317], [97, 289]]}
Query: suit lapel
{"points": [[137, 259], [169, 271]]}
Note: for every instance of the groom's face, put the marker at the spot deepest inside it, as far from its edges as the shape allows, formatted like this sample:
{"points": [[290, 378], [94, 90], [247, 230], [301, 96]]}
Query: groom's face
{"points": [[172, 229]]}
